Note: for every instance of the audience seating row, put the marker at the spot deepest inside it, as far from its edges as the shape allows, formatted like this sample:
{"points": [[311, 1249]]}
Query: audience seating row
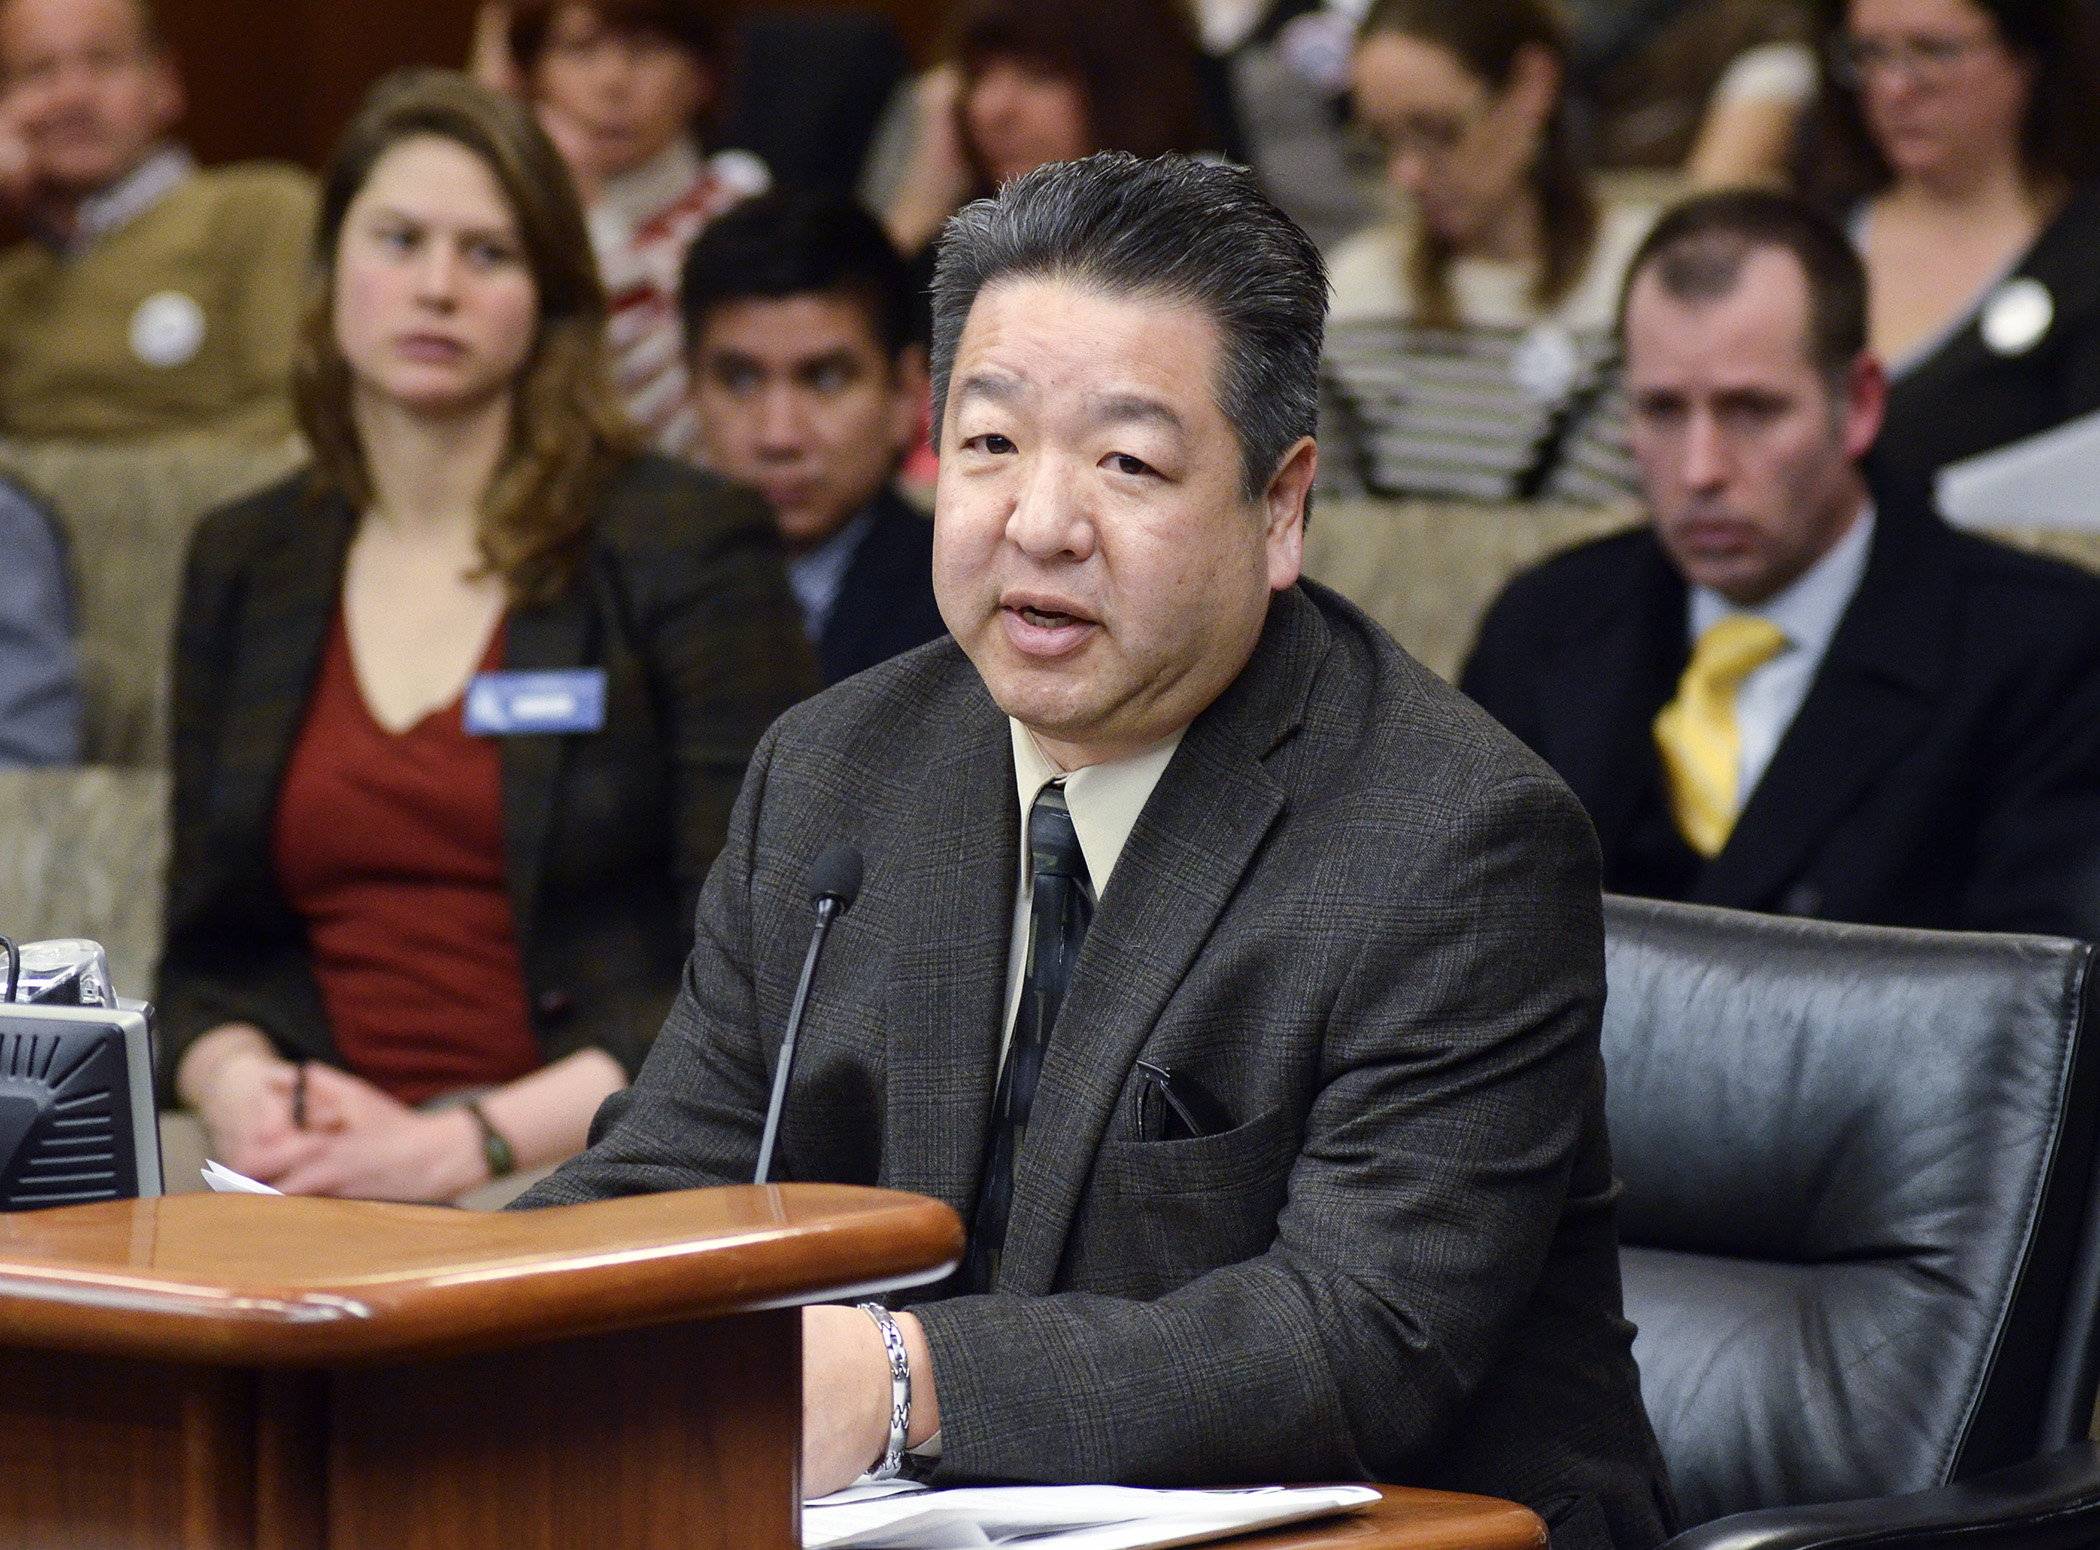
{"points": [[126, 510], [81, 851]]}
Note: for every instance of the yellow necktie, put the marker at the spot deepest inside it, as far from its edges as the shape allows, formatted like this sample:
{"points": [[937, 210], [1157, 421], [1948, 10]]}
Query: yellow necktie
{"points": [[1701, 746]]}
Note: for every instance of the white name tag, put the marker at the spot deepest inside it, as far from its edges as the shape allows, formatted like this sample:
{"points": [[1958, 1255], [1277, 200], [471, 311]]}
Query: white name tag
{"points": [[515, 704]]}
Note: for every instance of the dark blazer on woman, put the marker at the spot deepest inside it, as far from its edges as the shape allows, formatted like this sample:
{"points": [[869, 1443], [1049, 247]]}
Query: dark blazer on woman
{"points": [[1967, 398], [680, 598]]}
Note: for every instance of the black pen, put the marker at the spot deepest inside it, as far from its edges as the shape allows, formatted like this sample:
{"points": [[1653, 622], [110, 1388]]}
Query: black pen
{"points": [[299, 1097]]}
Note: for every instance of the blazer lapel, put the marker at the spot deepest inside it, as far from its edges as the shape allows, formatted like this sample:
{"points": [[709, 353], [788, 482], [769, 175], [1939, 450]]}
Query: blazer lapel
{"points": [[1199, 832], [957, 864], [1872, 698], [550, 637], [288, 611]]}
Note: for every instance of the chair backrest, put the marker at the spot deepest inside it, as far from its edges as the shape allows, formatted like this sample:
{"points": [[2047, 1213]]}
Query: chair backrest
{"points": [[1857, 1166], [127, 509], [81, 855]]}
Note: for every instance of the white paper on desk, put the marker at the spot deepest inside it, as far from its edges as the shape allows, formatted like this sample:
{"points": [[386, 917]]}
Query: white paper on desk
{"points": [[224, 1181], [2051, 480], [1064, 1517]]}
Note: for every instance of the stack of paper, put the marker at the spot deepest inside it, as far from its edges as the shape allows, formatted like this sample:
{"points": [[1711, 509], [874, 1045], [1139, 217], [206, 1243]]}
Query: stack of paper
{"points": [[1066, 1517]]}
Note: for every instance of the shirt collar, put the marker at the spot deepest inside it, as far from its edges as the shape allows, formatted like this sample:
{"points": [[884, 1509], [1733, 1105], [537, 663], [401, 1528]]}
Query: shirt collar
{"points": [[817, 576], [625, 202], [1808, 611], [156, 175], [1105, 799]]}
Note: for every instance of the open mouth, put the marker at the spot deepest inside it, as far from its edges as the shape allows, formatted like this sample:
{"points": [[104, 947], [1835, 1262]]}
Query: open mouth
{"points": [[1044, 631], [1045, 619]]}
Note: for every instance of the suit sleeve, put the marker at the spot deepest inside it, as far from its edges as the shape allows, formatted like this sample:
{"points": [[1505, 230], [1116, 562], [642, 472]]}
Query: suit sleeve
{"points": [[726, 644], [219, 963], [693, 1116], [1459, 1061], [2037, 860], [39, 676], [1498, 675]]}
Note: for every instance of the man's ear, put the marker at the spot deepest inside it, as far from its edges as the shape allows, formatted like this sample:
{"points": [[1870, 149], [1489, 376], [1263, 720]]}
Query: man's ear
{"points": [[1865, 405], [913, 386], [1284, 503], [170, 102]]}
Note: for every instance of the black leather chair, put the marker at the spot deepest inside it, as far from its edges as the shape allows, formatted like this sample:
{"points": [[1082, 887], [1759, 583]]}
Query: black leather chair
{"points": [[1860, 1226]]}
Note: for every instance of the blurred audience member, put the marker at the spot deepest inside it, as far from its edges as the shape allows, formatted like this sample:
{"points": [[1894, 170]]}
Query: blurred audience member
{"points": [[1715, 88], [1470, 344], [798, 316], [1968, 133], [1035, 81], [1797, 692], [460, 713], [39, 677], [620, 86], [154, 296], [1283, 68]]}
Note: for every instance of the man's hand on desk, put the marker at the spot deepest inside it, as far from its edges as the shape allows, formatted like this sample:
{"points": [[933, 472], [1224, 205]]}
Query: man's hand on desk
{"points": [[846, 1395]]}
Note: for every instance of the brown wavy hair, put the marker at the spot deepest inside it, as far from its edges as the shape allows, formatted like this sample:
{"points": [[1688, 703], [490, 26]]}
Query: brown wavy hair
{"points": [[569, 433], [1486, 36]]}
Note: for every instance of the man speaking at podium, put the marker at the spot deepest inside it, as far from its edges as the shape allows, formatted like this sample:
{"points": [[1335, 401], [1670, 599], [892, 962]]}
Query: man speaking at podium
{"points": [[1232, 977]]}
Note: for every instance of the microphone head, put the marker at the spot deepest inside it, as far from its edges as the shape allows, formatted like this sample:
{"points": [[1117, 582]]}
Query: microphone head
{"points": [[836, 876]]}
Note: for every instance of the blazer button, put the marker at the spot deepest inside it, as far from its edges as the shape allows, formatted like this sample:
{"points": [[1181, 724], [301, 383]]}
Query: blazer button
{"points": [[556, 1003], [1802, 899]]}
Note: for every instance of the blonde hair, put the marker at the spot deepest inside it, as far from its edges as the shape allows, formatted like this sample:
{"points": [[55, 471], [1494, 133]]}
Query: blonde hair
{"points": [[569, 433]]}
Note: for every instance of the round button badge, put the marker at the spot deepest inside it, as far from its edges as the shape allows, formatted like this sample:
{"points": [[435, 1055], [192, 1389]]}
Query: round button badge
{"points": [[1546, 364], [2017, 315], [167, 330]]}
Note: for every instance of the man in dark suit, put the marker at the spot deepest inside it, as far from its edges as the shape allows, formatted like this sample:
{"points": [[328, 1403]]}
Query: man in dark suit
{"points": [[1265, 1068], [1793, 693], [809, 388]]}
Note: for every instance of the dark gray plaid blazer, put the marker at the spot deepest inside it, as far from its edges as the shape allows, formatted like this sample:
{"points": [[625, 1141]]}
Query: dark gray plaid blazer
{"points": [[1362, 916], [680, 597]]}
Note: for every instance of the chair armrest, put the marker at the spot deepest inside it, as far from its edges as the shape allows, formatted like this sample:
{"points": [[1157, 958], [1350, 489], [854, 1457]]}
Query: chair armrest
{"points": [[2049, 1503]]}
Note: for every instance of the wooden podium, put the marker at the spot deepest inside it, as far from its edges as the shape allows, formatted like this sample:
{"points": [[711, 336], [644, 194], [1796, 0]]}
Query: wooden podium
{"points": [[242, 1372]]}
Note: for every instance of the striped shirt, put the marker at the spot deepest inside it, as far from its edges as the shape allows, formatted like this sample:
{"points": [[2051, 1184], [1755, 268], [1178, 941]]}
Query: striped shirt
{"points": [[1520, 403], [641, 226]]}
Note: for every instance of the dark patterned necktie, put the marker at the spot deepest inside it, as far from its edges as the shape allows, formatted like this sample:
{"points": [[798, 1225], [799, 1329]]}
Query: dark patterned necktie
{"points": [[1062, 909]]}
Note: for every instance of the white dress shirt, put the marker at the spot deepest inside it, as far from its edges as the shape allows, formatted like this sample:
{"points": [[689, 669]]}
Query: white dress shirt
{"points": [[817, 576], [1104, 800], [1807, 613]]}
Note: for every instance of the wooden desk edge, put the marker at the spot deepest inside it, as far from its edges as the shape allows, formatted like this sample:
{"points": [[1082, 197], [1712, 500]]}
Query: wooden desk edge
{"points": [[884, 1245], [1411, 1519]]}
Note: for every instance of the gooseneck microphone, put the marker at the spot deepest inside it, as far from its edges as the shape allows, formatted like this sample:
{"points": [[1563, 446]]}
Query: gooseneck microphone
{"points": [[834, 883]]}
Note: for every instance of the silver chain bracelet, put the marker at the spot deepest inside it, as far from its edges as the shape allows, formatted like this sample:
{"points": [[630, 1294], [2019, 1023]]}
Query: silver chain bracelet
{"points": [[900, 1391]]}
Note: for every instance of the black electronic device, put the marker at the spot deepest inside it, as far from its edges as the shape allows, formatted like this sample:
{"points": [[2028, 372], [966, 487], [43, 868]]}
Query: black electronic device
{"points": [[77, 1120]]}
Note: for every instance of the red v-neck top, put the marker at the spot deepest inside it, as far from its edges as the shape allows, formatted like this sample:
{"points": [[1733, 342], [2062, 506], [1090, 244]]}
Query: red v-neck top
{"points": [[390, 847]]}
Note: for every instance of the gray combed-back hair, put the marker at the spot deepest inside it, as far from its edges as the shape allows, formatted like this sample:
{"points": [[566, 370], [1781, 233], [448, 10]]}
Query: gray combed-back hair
{"points": [[1183, 231]]}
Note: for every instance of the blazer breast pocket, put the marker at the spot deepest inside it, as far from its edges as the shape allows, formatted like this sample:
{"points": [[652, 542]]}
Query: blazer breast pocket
{"points": [[1158, 1214]]}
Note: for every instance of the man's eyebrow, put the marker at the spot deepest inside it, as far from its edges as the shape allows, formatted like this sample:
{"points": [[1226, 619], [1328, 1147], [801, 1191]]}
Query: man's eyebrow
{"points": [[992, 385], [1133, 408]]}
